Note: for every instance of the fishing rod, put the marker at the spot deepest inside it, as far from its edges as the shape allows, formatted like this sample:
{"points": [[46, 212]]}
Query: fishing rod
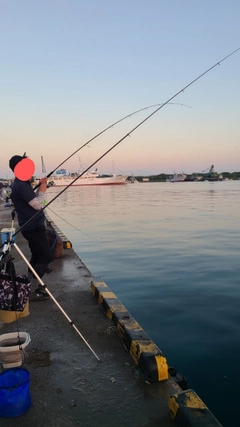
{"points": [[71, 322], [100, 133], [125, 136]]}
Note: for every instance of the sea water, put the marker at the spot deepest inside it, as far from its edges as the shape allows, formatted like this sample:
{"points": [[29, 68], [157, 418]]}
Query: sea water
{"points": [[170, 253]]}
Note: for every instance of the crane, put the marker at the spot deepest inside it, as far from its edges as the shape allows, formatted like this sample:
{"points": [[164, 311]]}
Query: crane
{"points": [[209, 169], [211, 175]]}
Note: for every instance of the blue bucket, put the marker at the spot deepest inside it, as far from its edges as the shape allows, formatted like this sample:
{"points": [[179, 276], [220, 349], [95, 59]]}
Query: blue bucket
{"points": [[15, 398]]}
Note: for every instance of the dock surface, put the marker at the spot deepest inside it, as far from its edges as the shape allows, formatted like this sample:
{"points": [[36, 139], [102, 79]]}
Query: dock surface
{"points": [[68, 385]]}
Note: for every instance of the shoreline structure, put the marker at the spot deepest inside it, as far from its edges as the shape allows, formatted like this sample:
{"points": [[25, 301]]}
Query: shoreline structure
{"points": [[132, 385]]}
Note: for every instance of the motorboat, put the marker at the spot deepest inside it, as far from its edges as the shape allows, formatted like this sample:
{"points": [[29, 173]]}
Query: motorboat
{"points": [[62, 179]]}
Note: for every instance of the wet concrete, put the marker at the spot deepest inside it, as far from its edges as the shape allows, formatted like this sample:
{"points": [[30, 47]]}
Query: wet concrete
{"points": [[69, 386]]}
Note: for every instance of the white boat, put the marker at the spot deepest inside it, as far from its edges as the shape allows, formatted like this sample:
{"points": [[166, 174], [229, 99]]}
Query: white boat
{"points": [[176, 177], [132, 180], [61, 179]]}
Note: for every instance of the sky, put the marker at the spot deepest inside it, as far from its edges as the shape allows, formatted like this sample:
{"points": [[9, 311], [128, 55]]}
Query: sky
{"points": [[72, 68]]}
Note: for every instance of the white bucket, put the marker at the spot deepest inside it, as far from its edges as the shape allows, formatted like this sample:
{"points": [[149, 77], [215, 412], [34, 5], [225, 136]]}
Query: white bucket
{"points": [[11, 351]]}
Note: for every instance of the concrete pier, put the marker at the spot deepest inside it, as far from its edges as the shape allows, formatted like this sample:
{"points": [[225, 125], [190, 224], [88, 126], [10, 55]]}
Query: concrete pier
{"points": [[69, 386]]}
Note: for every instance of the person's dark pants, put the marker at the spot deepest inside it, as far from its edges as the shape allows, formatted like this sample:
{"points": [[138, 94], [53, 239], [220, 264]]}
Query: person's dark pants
{"points": [[40, 250]]}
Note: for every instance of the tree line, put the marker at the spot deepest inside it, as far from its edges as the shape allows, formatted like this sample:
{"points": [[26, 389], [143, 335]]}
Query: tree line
{"points": [[189, 177]]}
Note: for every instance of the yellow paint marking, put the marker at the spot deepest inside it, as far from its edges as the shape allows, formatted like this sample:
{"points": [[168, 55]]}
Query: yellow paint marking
{"points": [[118, 307], [104, 295], [119, 327], [193, 401], [93, 289], [148, 347], [131, 324], [173, 406], [109, 313], [135, 351], [108, 295], [98, 284], [162, 368], [126, 326]]}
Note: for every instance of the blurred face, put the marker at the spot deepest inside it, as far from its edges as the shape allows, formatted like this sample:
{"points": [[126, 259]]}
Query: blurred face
{"points": [[24, 170]]}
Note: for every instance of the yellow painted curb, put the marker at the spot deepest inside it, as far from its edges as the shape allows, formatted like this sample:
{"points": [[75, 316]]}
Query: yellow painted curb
{"points": [[66, 243], [188, 410], [144, 352]]}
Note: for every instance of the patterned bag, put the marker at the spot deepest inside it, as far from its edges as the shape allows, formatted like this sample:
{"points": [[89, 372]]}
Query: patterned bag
{"points": [[14, 290]]}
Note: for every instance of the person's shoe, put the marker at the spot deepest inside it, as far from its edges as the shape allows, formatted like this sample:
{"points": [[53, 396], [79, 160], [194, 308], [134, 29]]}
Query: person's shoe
{"points": [[38, 295]]}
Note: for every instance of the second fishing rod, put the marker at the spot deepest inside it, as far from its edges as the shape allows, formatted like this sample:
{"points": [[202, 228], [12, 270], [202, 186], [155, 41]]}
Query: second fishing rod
{"points": [[125, 136], [106, 129]]}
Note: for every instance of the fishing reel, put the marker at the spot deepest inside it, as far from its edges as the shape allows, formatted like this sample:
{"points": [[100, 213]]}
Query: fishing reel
{"points": [[5, 255]]}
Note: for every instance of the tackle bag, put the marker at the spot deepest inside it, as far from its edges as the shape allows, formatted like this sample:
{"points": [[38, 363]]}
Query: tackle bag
{"points": [[14, 290]]}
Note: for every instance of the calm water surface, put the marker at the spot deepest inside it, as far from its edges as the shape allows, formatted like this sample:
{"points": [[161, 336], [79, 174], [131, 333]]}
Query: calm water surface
{"points": [[170, 252]]}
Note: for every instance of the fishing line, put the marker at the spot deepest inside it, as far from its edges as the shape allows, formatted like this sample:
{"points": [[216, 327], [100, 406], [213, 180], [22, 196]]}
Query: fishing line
{"points": [[125, 136], [73, 226], [104, 130]]}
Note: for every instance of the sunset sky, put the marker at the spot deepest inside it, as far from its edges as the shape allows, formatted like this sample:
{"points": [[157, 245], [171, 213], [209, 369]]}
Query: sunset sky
{"points": [[71, 68]]}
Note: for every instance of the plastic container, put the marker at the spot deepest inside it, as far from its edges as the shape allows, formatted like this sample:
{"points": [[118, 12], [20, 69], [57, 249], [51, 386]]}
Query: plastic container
{"points": [[6, 233], [11, 353], [7, 316], [15, 398]]}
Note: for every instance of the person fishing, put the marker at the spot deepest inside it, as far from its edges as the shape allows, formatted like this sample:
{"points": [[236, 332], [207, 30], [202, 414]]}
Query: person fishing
{"points": [[32, 202], [26, 203], [1, 191]]}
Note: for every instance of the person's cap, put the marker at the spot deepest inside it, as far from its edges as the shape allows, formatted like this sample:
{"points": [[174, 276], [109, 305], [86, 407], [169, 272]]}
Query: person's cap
{"points": [[22, 167], [14, 161]]}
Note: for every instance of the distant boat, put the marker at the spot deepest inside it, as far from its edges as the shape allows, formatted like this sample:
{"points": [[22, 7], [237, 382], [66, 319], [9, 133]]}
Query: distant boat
{"points": [[197, 178], [132, 180], [212, 175], [61, 179], [176, 177]]}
